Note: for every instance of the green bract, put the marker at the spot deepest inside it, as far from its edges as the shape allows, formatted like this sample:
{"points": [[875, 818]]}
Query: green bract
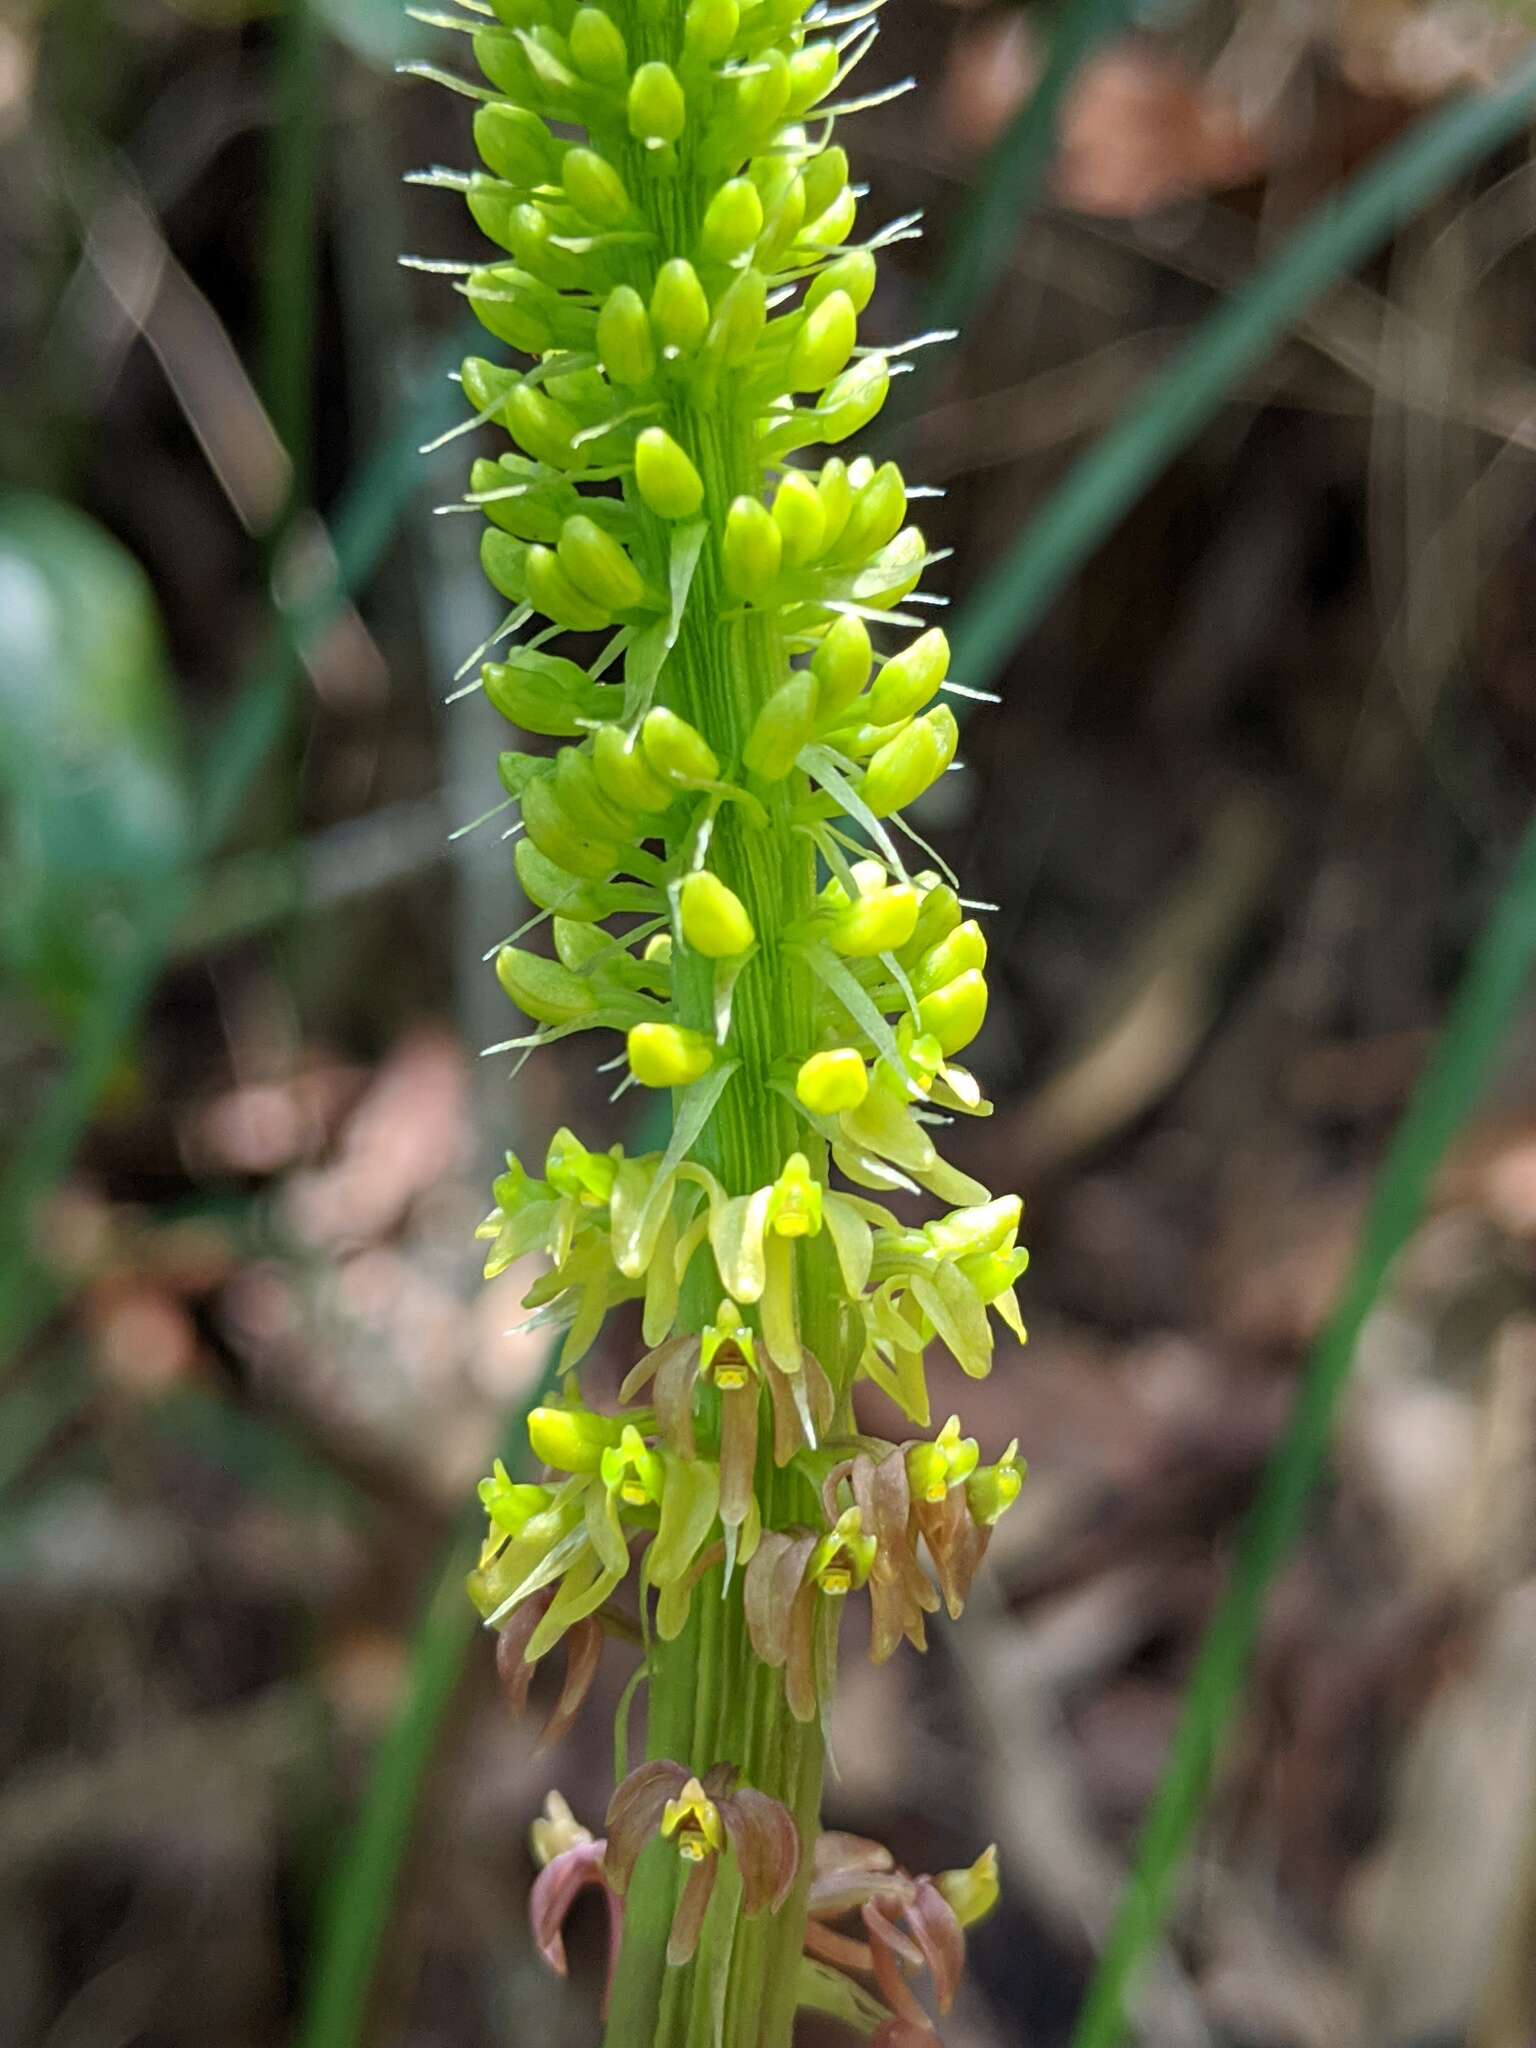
{"points": [[715, 840]]}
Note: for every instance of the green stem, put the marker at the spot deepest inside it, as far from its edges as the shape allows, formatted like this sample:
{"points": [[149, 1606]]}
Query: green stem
{"points": [[710, 1699]]}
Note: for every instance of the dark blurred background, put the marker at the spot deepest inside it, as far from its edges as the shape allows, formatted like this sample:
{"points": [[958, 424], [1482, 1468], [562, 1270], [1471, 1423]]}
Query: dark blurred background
{"points": [[1246, 799]]}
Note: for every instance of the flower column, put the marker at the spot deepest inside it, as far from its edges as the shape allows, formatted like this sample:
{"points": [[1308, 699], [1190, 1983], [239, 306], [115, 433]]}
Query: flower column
{"points": [[715, 846]]}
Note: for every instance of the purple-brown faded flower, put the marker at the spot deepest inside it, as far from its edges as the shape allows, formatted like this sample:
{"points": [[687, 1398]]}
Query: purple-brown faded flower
{"points": [[571, 1860], [779, 1601], [899, 1591], [584, 1647], [909, 1925], [701, 1817]]}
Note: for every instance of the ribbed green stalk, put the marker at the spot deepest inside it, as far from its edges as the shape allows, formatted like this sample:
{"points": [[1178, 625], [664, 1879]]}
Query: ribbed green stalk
{"points": [[709, 1698]]}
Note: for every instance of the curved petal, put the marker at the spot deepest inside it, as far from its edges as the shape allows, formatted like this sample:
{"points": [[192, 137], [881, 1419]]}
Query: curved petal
{"points": [[939, 1935], [554, 1892], [767, 1845], [584, 1651], [513, 1666], [634, 1815]]}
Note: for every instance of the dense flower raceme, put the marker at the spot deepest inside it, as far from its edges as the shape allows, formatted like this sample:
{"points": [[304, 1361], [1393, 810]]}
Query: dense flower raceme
{"points": [[709, 821]]}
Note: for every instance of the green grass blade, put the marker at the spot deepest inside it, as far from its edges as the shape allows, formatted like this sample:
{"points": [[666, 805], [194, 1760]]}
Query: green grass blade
{"points": [[1015, 170], [1172, 408], [1490, 998], [361, 1889]]}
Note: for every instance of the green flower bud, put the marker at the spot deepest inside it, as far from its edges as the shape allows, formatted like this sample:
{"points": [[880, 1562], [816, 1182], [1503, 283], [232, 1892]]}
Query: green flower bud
{"points": [[631, 1471], [553, 592], [550, 886], [515, 144], [505, 562], [656, 108], [785, 724], [966, 946], [751, 550], [841, 664], [665, 477], [597, 47], [762, 95], [553, 832], [835, 224], [545, 694], [541, 426], [878, 921], [955, 1013], [530, 516], [875, 520], [733, 220], [904, 767], [546, 55], [836, 495], [624, 343], [594, 187], [992, 1491], [667, 1056], [597, 565], [530, 235], [572, 1439], [658, 947], [852, 400], [679, 309], [577, 946], [938, 917], [678, 753], [812, 71], [832, 1081], [582, 798], [798, 515], [622, 773], [543, 989], [824, 344], [714, 919], [515, 314], [500, 56], [740, 314], [784, 212], [491, 207], [971, 1894], [853, 274], [709, 29], [824, 177], [910, 679]]}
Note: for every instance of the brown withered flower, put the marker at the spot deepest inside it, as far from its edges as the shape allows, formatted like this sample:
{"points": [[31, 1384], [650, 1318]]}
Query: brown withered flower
{"points": [[584, 1649], [910, 1925]]}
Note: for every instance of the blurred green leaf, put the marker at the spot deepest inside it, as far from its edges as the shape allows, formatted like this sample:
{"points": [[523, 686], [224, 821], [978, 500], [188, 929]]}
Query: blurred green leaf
{"points": [[91, 760]]}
